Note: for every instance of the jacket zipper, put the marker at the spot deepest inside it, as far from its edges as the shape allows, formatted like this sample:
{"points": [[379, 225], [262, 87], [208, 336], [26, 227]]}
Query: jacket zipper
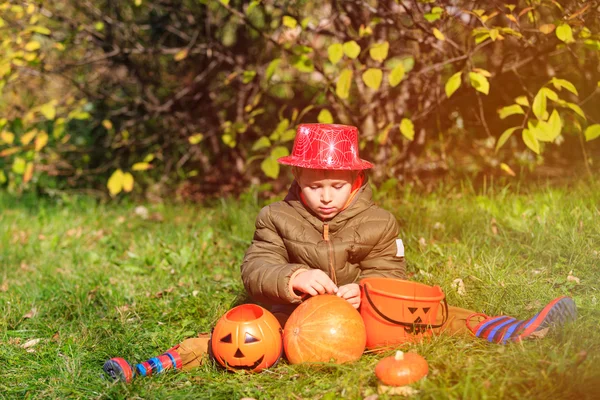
{"points": [[330, 248]]}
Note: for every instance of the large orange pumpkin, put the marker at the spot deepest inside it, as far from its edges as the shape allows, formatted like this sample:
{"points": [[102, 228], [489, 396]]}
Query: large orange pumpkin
{"points": [[247, 337], [324, 328], [401, 369]]}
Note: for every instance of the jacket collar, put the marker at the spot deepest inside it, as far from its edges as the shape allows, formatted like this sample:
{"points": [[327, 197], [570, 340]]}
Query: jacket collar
{"points": [[361, 202]]}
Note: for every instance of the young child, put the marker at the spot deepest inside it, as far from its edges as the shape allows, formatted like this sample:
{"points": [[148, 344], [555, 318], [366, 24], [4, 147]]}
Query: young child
{"points": [[324, 237], [327, 235]]}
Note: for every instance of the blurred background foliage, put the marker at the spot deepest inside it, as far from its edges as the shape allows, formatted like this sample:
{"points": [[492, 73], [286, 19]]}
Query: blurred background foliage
{"points": [[198, 97]]}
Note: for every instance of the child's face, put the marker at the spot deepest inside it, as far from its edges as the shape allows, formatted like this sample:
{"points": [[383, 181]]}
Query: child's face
{"points": [[325, 192]]}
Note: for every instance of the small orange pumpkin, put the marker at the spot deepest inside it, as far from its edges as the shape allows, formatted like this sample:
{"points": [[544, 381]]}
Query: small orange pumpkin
{"points": [[401, 369], [322, 329], [247, 337]]}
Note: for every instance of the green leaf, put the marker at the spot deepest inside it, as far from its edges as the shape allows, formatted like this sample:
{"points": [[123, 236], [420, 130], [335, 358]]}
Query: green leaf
{"points": [[351, 49], [510, 110], [565, 33], [2, 177], [479, 82], [407, 128], [325, 117], [342, 87], [288, 135], [42, 30], [290, 22], [261, 143], [272, 68], [530, 141], [550, 94], [434, 14], [539, 104], [453, 84], [19, 165], [505, 136], [563, 83], [248, 76], [372, 78], [279, 151], [302, 63], [335, 52], [379, 51], [396, 75], [224, 2], [592, 132], [577, 109]]}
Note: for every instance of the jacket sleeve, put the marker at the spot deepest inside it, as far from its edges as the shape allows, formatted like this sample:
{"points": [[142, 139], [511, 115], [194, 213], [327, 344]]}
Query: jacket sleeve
{"points": [[385, 260], [266, 270]]}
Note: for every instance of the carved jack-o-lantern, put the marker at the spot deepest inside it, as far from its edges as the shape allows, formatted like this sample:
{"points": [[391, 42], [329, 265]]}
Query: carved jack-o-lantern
{"points": [[247, 337]]}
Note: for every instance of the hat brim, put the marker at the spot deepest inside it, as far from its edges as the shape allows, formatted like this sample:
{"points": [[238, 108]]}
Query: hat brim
{"points": [[314, 164]]}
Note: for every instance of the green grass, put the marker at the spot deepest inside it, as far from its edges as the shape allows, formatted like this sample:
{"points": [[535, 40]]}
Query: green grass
{"points": [[103, 282]]}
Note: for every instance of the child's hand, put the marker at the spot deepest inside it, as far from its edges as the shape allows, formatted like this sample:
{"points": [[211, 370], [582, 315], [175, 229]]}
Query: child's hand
{"points": [[313, 282], [351, 293]]}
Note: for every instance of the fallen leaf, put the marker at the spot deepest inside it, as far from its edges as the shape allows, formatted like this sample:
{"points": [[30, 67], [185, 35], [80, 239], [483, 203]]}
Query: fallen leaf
{"points": [[157, 217], [438, 226], [581, 356], [494, 226], [459, 286], [55, 337], [572, 278], [534, 305], [425, 274], [24, 266], [15, 341], [30, 314], [372, 397], [163, 292], [405, 391], [4, 286], [141, 212], [41, 237], [30, 343], [195, 293], [422, 242], [540, 334]]}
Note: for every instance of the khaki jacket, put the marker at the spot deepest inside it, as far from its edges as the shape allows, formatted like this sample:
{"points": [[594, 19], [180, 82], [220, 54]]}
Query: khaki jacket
{"points": [[362, 243]]}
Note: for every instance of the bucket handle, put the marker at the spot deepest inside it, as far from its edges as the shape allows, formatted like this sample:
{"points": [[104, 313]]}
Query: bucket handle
{"points": [[410, 325]]}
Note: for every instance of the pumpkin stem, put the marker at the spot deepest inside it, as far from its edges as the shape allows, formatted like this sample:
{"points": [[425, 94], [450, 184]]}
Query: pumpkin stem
{"points": [[399, 355]]}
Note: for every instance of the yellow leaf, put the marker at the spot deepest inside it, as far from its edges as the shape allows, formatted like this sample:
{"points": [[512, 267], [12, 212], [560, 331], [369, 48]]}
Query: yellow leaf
{"points": [[372, 78], [195, 138], [127, 182], [115, 183], [396, 75], [507, 169], [511, 17], [325, 117], [438, 34], [592, 132], [379, 51], [505, 136], [181, 54], [565, 33], [290, 22], [32, 46], [28, 137], [351, 49], [479, 82], [19, 166], [141, 166], [453, 84], [483, 72], [107, 124], [7, 137], [30, 8], [9, 151], [547, 28], [531, 141], [137, 3], [48, 110], [407, 128], [41, 140], [28, 174], [342, 87], [335, 52], [522, 100]]}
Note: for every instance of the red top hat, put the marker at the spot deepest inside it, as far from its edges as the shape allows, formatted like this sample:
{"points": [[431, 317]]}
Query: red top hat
{"points": [[326, 146]]}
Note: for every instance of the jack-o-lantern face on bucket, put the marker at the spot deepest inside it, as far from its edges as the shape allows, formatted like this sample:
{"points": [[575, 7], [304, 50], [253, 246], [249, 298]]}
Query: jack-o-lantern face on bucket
{"points": [[247, 337]]}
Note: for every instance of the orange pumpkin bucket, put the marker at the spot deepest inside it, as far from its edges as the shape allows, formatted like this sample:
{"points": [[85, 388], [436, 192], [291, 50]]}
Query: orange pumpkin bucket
{"points": [[397, 311]]}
